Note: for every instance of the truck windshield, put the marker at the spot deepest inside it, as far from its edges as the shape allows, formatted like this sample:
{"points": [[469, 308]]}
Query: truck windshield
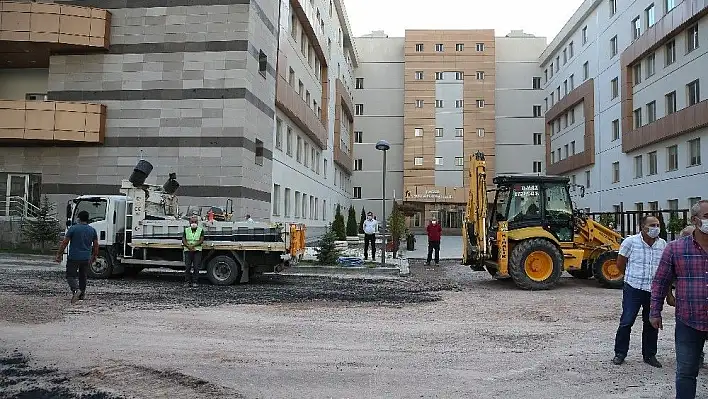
{"points": [[95, 208]]}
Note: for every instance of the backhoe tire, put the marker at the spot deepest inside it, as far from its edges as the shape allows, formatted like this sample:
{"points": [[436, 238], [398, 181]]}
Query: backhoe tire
{"points": [[606, 272], [223, 270], [535, 264]]}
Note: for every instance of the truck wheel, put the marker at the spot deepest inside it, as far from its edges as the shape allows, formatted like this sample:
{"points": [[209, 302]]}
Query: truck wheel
{"points": [[102, 268], [223, 270], [536, 264], [606, 271]]}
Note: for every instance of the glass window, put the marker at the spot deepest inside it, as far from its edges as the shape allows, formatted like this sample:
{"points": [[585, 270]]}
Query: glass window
{"points": [[526, 203], [95, 209]]}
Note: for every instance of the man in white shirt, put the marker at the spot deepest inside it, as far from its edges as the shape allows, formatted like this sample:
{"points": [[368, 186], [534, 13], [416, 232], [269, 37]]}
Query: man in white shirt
{"points": [[370, 227], [639, 257]]}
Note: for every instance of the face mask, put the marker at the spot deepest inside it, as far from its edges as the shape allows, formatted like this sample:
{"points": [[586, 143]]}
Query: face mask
{"points": [[370, 218], [653, 232], [704, 226], [194, 225], [434, 222]]}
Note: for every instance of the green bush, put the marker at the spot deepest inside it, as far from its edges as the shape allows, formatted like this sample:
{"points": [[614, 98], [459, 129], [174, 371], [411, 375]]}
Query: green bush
{"points": [[45, 228], [327, 252], [338, 225], [351, 222], [361, 221]]}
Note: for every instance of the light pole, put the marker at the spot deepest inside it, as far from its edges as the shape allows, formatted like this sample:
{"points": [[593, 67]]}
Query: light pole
{"points": [[384, 146]]}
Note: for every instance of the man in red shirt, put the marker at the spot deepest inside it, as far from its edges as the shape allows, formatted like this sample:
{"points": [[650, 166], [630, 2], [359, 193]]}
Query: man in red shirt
{"points": [[434, 233], [686, 261]]}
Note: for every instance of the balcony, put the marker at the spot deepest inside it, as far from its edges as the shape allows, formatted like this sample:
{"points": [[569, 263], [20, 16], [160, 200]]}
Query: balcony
{"points": [[31, 32], [23, 122], [343, 114]]}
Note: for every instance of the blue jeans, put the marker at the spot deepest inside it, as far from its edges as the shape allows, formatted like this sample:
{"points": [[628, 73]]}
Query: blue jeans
{"points": [[632, 300], [689, 348]]}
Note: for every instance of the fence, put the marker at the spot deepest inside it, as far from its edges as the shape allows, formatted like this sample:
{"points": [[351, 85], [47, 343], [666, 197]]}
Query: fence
{"points": [[626, 223], [17, 207]]}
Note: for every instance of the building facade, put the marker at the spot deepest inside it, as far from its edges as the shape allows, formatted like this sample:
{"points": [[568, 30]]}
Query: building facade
{"points": [[623, 107]]}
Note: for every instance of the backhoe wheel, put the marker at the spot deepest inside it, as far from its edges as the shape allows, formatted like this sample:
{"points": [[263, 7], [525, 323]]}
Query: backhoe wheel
{"points": [[536, 264], [223, 270], [102, 268], [606, 271]]}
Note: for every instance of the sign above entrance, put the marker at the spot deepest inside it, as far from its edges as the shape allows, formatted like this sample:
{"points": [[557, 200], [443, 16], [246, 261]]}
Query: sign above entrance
{"points": [[435, 194], [429, 194]]}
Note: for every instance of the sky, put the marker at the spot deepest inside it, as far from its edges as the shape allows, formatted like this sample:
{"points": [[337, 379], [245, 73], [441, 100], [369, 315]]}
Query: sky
{"points": [[538, 17]]}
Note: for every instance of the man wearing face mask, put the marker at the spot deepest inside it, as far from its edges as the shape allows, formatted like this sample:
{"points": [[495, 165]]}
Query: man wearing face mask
{"points": [[370, 227], [639, 257], [434, 234], [192, 240], [686, 261]]}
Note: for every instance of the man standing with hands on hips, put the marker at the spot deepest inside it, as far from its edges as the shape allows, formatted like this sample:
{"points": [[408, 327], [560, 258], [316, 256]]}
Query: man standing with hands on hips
{"points": [[192, 241], [686, 261]]}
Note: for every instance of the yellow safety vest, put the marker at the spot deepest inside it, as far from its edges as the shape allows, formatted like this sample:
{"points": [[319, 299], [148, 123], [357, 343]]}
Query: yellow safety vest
{"points": [[193, 237]]}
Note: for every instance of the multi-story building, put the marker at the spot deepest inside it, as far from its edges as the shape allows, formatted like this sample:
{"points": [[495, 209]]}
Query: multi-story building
{"points": [[435, 96], [623, 107]]}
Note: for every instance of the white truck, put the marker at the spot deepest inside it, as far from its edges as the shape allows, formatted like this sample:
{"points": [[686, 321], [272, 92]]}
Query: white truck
{"points": [[142, 228]]}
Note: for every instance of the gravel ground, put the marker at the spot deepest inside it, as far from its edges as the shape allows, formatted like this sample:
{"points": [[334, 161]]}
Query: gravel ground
{"points": [[443, 332]]}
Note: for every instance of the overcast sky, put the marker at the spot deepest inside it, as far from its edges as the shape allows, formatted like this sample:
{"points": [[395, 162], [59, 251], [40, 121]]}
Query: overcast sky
{"points": [[538, 17]]}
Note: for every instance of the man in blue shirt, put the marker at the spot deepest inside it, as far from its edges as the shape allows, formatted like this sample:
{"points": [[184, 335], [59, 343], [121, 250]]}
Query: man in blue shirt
{"points": [[82, 253]]}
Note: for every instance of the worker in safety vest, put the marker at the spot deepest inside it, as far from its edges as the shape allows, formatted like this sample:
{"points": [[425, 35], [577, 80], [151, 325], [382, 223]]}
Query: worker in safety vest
{"points": [[192, 240]]}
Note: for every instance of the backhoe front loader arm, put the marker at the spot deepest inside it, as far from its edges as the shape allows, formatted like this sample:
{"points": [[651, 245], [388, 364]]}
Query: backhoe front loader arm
{"points": [[474, 230]]}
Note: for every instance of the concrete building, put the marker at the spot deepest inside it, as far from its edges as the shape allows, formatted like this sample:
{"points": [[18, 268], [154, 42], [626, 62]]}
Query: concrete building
{"points": [[624, 113], [434, 95]]}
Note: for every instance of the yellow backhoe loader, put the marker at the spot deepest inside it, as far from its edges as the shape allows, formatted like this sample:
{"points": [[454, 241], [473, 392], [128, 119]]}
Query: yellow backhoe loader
{"points": [[533, 233]]}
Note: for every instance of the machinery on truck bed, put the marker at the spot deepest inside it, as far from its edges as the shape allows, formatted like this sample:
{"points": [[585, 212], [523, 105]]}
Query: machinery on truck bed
{"points": [[142, 228], [533, 233]]}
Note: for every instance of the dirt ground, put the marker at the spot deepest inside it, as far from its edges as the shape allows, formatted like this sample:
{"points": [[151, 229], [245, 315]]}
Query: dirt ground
{"points": [[443, 332]]}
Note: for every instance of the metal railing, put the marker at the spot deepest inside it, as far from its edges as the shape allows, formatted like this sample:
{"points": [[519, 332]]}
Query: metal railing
{"points": [[672, 221], [17, 207]]}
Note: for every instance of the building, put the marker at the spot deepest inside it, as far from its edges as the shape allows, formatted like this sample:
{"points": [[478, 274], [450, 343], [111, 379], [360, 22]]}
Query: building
{"points": [[245, 101], [623, 107], [435, 96]]}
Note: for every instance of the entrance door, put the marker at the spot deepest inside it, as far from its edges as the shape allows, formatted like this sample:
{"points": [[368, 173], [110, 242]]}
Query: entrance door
{"points": [[16, 195]]}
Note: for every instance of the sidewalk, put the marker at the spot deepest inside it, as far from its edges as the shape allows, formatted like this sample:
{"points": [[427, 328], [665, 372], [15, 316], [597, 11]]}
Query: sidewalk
{"points": [[450, 247]]}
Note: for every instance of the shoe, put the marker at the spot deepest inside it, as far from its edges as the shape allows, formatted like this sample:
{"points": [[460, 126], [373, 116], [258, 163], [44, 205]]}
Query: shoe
{"points": [[652, 362], [617, 360], [75, 297]]}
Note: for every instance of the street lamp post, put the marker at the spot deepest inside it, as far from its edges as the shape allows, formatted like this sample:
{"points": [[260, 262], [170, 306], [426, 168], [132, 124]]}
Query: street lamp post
{"points": [[384, 146]]}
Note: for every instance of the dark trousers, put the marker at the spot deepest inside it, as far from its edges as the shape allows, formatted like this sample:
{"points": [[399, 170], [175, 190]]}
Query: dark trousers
{"points": [[434, 246], [76, 274], [192, 265], [689, 353], [370, 238], [632, 300]]}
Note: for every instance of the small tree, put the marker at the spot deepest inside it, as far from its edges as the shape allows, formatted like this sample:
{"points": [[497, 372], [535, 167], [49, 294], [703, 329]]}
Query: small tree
{"points": [[45, 227], [351, 222], [338, 224], [396, 227], [361, 221], [327, 252]]}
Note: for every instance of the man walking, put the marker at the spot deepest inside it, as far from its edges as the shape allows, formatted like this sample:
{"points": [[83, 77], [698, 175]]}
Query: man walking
{"points": [[686, 261], [434, 234], [370, 227], [83, 250], [192, 240], [639, 257]]}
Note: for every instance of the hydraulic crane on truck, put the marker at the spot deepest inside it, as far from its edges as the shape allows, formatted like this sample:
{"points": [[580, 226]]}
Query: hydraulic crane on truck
{"points": [[533, 232]]}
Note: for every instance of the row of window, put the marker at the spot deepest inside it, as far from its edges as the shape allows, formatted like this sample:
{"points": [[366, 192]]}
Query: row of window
{"points": [[306, 206], [693, 96], [440, 47], [672, 161], [304, 94], [568, 120], [673, 204], [569, 151], [459, 161], [440, 132]]}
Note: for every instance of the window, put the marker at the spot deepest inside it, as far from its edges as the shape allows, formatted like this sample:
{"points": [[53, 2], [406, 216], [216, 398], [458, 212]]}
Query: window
{"points": [[692, 38], [317, 162], [439, 47], [586, 71], [480, 132], [545, 73], [653, 205], [636, 28], [438, 132], [324, 209], [638, 162], [553, 157], [693, 201], [358, 137], [551, 69], [571, 116], [359, 109], [637, 118], [670, 103], [438, 75], [439, 103], [359, 83], [298, 154], [615, 130], [613, 46], [637, 73], [438, 161], [418, 132], [565, 121], [459, 132], [565, 56], [570, 50], [672, 161], [572, 82], [479, 47], [459, 103], [584, 35], [300, 88], [306, 158], [572, 147], [558, 63], [670, 4], [614, 88], [651, 65], [694, 152], [289, 141], [298, 204], [419, 47], [459, 47], [418, 161], [259, 152], [480, 103], [613, 7], [480, 75], [357, 192], [639, 206], [278, 134], [552, 96], [276, 200], [537, 138], [673, 204], [694, 93], [419, 103], [651, 112], [459, 75], [670, 50], [615, 172], [459, 161], [419, 75], [358, 164], [653, 163], [650, 16], [565, 87], [324, 168], [565, 148], [536, 111], [587, 179], [536, 83], [317, 208], [307, 97], [262, 63], [286, 203], [546, 103], [536, 166]]}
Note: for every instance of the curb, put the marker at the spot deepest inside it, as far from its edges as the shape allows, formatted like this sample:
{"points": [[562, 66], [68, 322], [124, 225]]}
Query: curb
{"points": [[338, 270]]}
